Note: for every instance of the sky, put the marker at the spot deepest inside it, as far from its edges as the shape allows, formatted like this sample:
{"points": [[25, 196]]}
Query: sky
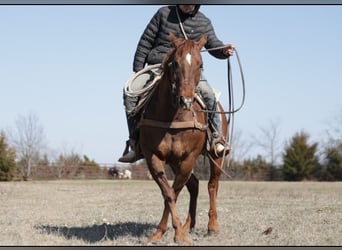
{"points": [[68, 65]]}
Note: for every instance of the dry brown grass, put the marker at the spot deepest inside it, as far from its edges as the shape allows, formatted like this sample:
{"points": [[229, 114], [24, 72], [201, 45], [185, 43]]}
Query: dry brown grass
{"points": [[107, 212]]}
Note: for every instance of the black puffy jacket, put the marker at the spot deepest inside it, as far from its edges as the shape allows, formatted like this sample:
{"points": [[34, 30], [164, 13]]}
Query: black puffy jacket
{"points": [[154, 43]]}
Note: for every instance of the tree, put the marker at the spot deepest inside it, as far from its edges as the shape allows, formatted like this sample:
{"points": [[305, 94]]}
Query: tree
{"points": [[87, 162], [7, 159], [240, 147], [299, 158], [28, 140], [333, 163], [334, 130], [255, 169], [67, 164], [269, 141]]}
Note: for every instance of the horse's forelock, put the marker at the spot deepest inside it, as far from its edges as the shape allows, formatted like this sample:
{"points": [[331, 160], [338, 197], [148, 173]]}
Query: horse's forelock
{"points": [[184, 48]]}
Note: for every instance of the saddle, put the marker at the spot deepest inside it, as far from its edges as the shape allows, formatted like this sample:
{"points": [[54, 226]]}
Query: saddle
{"points": [[212, 136]]}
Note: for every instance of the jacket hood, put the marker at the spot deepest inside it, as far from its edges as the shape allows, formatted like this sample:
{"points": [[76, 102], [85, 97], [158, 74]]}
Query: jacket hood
{"points": [[193, 13]]}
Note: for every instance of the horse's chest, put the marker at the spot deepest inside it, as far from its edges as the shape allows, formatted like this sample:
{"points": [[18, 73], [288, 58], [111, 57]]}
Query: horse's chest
{"points": [[181, 144]]}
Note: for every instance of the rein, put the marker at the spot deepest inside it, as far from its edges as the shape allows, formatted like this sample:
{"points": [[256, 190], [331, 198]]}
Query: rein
{"points": [[230, 85], [231, 109]]}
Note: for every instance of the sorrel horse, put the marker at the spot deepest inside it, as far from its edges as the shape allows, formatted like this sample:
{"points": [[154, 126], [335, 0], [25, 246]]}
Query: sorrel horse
{"points": [[173, 132]]}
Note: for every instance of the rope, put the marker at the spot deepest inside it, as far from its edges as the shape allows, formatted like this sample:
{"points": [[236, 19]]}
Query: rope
{"points": [[145, 93], [230, 85], [137, 93], [181, 25], [231, 106]]}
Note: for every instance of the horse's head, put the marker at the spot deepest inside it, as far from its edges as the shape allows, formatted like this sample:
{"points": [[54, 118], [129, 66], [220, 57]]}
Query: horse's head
{"points": [[183, 65]]}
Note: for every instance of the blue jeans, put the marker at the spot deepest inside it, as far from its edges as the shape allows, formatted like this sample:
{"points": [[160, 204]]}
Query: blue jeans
{"points": [[208, 95]]}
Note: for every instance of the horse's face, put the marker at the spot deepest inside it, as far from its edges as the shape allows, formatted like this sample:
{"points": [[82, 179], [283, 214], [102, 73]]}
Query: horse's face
{"points": [[184, 66]]}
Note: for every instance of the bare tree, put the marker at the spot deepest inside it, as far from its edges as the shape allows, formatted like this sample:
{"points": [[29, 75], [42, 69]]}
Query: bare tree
{"points": [[240, 147], [28, 139], [67, 163], [269, 141], [334, 130]]}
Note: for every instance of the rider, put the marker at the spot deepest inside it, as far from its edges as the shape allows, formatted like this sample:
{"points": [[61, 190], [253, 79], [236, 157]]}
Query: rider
{"points": [[183, 21]]}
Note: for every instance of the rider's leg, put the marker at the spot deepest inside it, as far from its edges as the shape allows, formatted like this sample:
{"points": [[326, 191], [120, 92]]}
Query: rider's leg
{"points": [[133, 116], [129, 153], [210, 101]]}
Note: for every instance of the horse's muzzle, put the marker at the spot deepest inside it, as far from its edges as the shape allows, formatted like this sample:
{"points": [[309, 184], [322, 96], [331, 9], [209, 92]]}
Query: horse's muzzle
{"points": [[186, 103]]}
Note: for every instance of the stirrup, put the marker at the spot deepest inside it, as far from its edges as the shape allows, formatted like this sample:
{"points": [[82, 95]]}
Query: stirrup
{"points": [[220, 149], [219, 146]]}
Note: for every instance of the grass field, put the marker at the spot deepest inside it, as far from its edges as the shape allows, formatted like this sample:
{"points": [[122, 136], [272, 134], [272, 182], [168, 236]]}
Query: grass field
{"points": [[126, 212]]}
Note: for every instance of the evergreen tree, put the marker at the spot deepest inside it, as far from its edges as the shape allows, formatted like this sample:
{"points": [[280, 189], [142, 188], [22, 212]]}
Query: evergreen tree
{"points": [[7, 160], [87, 162], [299, 158], [333, 163], [256, 169]]}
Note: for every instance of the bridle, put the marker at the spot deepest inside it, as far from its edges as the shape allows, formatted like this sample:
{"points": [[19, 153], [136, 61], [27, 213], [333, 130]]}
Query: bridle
{"points": [[177, 99]]}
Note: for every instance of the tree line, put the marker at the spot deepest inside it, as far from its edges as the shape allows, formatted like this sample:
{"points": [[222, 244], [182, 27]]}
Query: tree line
{"points": [[21, 155]]}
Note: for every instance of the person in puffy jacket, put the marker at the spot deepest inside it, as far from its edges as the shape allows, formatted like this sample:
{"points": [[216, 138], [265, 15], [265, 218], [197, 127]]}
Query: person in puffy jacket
{"points": [[183, 21]]}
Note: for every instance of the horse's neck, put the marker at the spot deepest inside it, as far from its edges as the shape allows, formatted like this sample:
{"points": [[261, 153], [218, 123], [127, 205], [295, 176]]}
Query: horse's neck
{"points": [[160, 105], [162, 108]]}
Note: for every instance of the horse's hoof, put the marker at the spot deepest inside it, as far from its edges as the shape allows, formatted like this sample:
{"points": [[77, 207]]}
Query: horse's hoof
{"points": [[183, 240], [155, 238], [212, 232]]}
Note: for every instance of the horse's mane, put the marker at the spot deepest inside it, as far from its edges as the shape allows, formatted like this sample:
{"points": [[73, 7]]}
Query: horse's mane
{"points": [[168, 56]]}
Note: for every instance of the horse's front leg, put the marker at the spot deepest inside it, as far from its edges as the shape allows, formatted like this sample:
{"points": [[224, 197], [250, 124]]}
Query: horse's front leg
{"points": [[157, 170], [162, 226], [192, 185], [182, 178], [213, 184]]}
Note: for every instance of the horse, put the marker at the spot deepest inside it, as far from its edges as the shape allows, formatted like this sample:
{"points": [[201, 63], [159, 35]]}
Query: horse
{"points": [[127, 174], [114, 172], [173, 131]]}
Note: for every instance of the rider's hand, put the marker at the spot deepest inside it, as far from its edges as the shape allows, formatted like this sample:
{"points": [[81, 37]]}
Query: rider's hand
{"points": [[229, 50]]}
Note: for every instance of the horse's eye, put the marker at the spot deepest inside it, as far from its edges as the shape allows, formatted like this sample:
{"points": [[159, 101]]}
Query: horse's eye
{"points": [[173, 65]]}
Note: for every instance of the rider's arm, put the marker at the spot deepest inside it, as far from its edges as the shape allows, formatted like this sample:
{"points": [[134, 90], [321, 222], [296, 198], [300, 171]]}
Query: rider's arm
{"points": [[145, 43]]}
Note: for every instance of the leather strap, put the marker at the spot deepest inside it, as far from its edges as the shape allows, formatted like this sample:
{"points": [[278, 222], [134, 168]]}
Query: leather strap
{"points": [[173, 125]]}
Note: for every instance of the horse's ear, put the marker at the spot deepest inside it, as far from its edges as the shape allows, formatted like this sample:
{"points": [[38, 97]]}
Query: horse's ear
{"points": [[203, 40], [175, 40]]}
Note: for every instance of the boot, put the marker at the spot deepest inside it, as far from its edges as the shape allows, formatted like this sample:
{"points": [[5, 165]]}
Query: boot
{"points": [[219, 145], [129, 155]]}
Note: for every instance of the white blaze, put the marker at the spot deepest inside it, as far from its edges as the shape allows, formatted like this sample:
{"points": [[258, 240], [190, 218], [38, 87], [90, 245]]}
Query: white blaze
{"points": [[188, 58]]}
